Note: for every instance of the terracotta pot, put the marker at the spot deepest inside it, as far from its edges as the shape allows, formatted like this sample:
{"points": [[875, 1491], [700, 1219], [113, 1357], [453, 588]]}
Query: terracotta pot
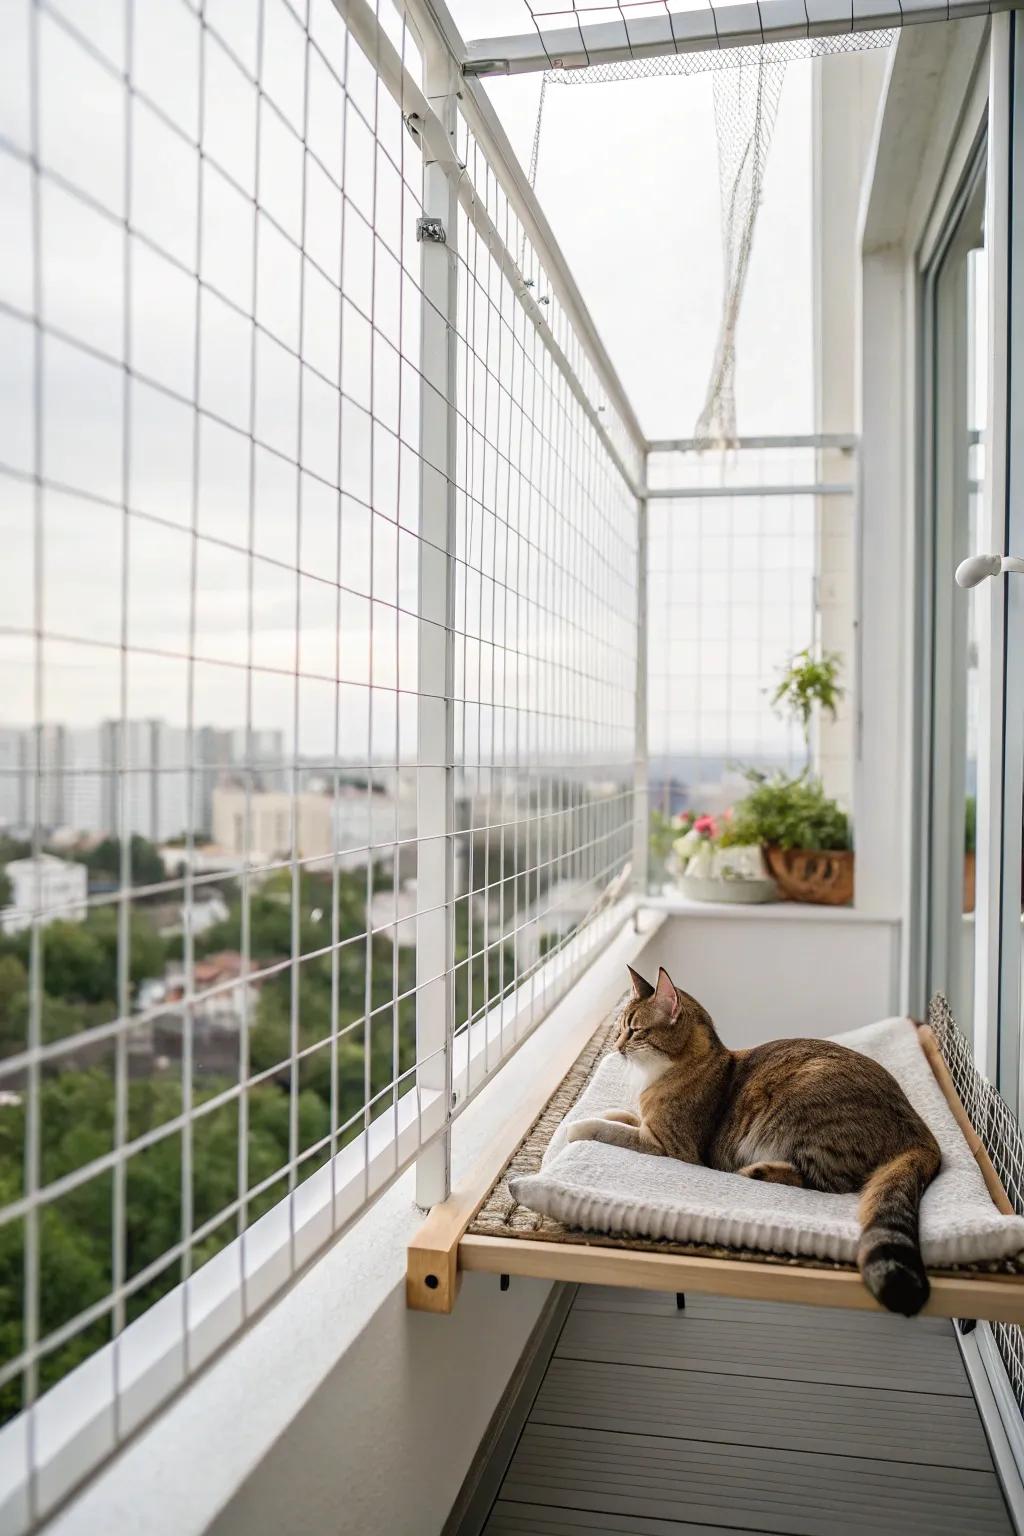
{"points": [[812, 874], [969, 865]]}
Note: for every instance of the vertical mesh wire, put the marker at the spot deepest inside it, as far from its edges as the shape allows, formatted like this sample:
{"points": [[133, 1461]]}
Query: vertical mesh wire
{"points": [[210, 467]]}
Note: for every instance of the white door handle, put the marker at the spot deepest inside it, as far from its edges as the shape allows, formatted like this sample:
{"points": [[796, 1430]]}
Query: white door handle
{"points": [[973, 571]]}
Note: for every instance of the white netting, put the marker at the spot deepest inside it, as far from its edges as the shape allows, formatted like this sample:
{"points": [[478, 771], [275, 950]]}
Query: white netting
{"points": [[747, 89], [746, 105]]}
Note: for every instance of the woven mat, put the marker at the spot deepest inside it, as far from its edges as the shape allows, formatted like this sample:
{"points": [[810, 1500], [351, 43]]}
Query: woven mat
{"points": [[501, 1215]]}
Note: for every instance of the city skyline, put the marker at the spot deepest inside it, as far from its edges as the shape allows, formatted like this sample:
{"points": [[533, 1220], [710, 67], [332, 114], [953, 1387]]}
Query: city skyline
{"points": [[80, 774]]}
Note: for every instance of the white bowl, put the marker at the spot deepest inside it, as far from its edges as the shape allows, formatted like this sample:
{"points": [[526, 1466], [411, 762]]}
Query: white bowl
{"points": [[739, 891]]}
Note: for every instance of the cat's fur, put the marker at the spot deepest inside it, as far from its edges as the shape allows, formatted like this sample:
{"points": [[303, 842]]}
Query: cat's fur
{"points": [[806, 1112]]}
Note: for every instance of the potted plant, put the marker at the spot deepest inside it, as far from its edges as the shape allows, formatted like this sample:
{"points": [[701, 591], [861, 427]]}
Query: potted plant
{"points": [[695, 847], [713, 869], [809, 682], [666, 834], [805, 836]]}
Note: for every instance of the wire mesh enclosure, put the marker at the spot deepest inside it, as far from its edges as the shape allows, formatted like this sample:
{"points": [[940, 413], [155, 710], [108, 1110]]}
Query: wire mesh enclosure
{"points": [[546, 624], [740, 551], [344, 600], [602, 41], [283, 762], [1001, 1134]]}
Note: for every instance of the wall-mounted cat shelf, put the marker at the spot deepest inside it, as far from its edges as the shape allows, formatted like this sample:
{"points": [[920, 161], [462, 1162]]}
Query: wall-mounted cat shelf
{"points": [[481, 1229]]}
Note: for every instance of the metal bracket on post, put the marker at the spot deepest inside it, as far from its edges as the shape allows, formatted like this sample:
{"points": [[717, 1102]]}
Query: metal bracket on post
{"points": [[432, 230], [435, 879]]}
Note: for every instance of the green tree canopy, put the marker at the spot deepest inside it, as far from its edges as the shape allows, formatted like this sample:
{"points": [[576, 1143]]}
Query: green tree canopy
{"points": [[104, 861]]}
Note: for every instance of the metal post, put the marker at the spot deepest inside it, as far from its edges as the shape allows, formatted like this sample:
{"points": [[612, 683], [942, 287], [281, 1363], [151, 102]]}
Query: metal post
{"points": [[435, 924], [640, 790]]}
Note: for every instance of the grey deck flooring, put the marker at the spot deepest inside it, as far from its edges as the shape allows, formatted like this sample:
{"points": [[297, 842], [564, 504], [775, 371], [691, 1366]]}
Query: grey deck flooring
{"points": [[749, 1417]]}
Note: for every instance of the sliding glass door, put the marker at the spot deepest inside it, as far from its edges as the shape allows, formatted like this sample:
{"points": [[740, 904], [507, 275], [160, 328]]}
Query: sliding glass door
{"points": [[970, 898]]}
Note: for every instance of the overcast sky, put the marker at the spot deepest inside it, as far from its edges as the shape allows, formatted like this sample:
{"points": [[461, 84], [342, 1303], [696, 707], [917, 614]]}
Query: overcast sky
{"points": [[628, 177]]}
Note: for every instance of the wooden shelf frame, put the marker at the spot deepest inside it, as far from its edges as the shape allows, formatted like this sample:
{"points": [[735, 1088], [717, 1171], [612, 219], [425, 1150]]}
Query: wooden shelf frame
{"points": [[443, 1249]]}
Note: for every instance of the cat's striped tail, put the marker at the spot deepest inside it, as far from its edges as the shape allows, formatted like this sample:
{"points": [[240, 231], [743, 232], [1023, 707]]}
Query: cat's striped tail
{"points": [[889, 1255]]}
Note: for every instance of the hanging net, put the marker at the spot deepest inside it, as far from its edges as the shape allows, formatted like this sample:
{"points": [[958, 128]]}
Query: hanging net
{"points": [[747, 89], [746, 105]]}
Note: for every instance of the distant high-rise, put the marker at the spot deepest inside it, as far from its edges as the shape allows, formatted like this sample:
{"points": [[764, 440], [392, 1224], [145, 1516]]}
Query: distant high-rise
{"points": [[14, 805], [146, 778], [131, 775]]}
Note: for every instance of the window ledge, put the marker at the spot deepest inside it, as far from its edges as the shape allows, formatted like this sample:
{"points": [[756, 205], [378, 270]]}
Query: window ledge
{"points": [[675, 905]]}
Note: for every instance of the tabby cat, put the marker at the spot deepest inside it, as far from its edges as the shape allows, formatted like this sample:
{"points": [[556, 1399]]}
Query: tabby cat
{"points": [[807, 1112]]}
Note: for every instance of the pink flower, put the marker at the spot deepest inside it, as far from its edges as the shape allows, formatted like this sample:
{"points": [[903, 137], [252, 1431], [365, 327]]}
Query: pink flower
{"points": [[705, 825]]}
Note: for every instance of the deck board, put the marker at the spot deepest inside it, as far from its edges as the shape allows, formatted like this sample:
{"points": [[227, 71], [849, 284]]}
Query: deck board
{"points": [[750, 1487], [819, 1351], [537, 1520], [934, 1429], [749, 1417]]}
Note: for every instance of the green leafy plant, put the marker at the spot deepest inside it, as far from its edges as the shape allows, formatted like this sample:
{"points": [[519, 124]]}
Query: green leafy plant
{"points": [[970, 824], [808, 681], [787, 812]]}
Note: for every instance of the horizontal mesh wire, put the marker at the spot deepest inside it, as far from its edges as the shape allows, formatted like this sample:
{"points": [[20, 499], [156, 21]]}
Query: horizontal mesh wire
{"points": [[211, 667], [1002, 1138]]}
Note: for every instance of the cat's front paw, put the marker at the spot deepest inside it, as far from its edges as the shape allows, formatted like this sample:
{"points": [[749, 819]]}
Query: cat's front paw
{"points": [[622, 1116], [586, 1130]]}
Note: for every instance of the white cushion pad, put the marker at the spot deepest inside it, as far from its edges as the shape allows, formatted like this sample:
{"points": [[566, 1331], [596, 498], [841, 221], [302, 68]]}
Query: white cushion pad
{"points": [[600, 1188]]}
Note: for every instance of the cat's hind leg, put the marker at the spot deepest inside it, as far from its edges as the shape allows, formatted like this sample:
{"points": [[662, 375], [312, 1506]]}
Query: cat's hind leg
{"points": [[622, 1116], [772, 1173]]}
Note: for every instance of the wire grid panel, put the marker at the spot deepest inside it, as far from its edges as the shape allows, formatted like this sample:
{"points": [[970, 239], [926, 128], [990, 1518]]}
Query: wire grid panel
{"points": [[1001, 1135], [546, 635], [210, 463], [731, 597], [213, 508]]}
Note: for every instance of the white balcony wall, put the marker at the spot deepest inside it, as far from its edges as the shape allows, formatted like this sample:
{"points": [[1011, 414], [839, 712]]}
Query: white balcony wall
{"points": [[770, 972]]}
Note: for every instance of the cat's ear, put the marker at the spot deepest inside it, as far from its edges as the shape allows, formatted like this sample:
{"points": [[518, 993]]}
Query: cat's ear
{"points": [[665, 997], [642, 989]]}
